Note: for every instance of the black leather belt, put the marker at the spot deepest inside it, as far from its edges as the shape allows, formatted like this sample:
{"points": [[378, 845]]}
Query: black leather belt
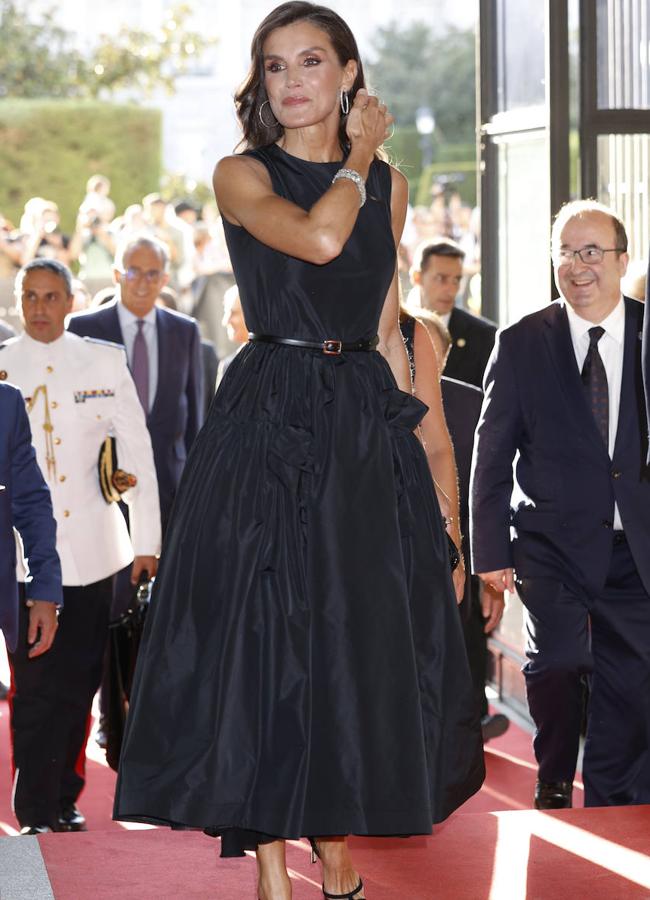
{"points": [[329, 347]]}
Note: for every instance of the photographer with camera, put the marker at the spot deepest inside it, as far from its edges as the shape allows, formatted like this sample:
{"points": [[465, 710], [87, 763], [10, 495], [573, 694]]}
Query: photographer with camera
{"points": [[94, 246], [44, 238]]}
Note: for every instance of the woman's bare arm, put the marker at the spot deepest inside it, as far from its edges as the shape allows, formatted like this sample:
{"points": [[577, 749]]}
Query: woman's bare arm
{"points": [[245, 195], [391, 343], [435, 437]]}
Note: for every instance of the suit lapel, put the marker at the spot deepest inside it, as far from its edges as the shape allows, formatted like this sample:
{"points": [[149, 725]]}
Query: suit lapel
{"points": [[164, 352], [111, 324], [631, 416], [557, 335], [456, 324]]}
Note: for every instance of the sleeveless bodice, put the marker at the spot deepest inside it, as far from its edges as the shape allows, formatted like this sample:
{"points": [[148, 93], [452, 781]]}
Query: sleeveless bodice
{"points": [[342, 300]]}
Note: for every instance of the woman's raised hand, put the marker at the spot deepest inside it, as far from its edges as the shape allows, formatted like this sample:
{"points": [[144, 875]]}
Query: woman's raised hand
{"points": [[368, 121]]}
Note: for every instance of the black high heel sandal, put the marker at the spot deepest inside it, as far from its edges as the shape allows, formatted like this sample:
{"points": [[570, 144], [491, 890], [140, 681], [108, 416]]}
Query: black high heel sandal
{"points": [[351, 895]]}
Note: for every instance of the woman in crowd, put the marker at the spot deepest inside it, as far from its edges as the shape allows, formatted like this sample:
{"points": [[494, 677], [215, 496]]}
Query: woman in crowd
{"points": [[303, 670]]}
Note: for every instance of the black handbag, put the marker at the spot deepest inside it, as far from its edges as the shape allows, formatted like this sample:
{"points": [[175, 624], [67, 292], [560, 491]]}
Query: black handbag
{"points": [[124, 636], [454, 553]]}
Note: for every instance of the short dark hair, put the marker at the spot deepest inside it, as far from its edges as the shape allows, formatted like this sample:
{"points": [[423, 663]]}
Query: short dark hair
{"points": [[185, 206], [49, 265], [437, 247]]}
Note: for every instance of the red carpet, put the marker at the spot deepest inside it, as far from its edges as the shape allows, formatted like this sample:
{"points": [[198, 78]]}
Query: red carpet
{"points": [[485, 856], [495, 848]]}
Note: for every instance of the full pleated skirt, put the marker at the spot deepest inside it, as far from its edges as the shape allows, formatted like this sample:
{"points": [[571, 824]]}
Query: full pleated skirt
{"points": [[303, 669]]}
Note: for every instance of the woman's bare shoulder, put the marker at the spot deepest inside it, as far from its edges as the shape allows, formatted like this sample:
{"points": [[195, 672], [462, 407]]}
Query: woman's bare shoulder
{"points": [[240, 165], [239, 181]]}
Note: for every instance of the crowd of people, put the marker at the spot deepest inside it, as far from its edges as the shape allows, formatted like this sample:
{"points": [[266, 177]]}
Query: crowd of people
{"points": [[192, 235], [305, 671]]}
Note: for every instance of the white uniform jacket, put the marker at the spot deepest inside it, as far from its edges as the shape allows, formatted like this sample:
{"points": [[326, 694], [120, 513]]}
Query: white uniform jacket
{"points": [[78, 391]]}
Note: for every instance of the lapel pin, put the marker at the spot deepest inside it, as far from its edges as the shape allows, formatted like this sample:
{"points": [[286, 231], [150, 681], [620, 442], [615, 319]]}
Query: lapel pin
{"points": [[461, 342]]}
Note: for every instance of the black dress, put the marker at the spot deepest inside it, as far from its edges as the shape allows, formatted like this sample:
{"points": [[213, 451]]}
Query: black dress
{"points": [[303, 669]]}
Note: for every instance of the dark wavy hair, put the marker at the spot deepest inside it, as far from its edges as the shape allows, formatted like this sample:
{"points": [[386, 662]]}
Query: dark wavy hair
{"points": [[252, 94]]}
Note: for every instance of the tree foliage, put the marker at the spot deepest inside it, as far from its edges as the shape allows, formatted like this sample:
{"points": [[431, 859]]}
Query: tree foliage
{"points": [[38, 58], [416, 66]]}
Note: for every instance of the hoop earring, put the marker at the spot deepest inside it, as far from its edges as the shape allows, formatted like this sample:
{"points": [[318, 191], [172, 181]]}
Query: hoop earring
{"points": [[345, 103], [259, 113]]}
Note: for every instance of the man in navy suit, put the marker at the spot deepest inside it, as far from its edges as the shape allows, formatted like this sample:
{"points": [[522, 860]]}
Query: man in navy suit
{"points": [[438, 272], [174, 390], [646, 347], [564, 391], [26, 506]]}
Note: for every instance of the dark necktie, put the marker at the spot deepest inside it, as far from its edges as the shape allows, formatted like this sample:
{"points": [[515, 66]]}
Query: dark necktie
{"points": [[594, 379], [140, 366]]}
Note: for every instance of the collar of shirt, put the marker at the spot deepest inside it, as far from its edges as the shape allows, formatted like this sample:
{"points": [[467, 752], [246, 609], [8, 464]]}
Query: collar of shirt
{"points": [[55, 346], [127, 318], [614, 324], [445, 317]]}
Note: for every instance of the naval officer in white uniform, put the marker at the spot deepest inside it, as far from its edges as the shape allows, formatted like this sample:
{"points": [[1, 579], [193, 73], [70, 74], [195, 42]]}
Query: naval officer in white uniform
{"points": [[77, 392]]}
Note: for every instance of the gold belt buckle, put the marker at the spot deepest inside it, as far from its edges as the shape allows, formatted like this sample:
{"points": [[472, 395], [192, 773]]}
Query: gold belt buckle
{"points": [[333, 348]]}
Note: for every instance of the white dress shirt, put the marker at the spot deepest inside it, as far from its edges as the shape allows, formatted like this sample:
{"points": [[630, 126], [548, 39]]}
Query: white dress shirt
{"points": [[129, 327], [611, 347]]}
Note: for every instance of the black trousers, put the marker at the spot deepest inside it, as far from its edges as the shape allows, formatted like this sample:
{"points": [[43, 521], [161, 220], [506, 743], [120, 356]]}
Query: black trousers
{"points": [[606, 638], [52, 701]]}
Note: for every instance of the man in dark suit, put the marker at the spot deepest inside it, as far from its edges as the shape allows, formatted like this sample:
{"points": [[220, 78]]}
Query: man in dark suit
{"points": [[26, 506], [438, 271], [646, 351], [164, 348], [563, 390]]}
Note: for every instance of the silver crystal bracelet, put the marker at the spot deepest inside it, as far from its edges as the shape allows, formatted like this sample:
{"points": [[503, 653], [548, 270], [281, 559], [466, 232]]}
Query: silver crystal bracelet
{"points": [[354, 176]]}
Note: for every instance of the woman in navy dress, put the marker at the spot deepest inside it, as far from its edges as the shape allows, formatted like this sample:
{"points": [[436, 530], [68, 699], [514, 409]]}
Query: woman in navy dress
{"points": [[303, 670]]}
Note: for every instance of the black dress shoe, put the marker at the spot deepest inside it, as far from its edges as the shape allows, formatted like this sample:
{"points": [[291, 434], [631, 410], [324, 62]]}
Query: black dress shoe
{"points": [[493, 726], [71, 819], [553, 794], [35, 829]]}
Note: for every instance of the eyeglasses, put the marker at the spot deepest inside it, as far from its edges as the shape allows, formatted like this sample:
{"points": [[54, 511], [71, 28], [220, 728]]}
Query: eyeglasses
{"points": [[590, 256], [134, 274]]}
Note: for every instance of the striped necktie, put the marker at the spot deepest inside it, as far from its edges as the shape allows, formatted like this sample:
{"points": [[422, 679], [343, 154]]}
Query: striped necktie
{"points": [[140, 366], [594, 380]]}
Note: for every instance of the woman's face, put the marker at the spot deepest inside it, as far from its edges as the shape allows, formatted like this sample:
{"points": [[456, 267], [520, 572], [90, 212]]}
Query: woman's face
{"points": [[303, 75]]}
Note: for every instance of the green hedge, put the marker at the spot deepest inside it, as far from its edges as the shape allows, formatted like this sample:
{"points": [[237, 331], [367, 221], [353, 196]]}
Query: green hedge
{"points": [[459, 176], [49, 148]]}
